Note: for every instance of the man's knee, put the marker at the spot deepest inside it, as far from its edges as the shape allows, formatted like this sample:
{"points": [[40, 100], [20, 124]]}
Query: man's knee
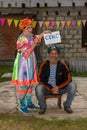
{"points": [[73, 86], [39, 89]]}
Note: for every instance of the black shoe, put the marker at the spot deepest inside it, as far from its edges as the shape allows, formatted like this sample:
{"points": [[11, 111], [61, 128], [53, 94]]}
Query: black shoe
{"points": [[42, 111], [68, 109]]}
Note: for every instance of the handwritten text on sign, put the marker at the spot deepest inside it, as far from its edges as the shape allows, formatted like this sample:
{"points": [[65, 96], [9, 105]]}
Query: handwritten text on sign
{"points": [[52, 38]]}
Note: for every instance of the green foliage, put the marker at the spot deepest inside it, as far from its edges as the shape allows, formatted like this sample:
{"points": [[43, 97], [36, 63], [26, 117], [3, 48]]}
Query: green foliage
{"points": [[5, 69], [79, 74]]}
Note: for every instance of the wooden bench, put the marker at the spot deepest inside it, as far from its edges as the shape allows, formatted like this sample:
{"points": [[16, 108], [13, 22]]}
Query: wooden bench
{"points": [[55, 96]]}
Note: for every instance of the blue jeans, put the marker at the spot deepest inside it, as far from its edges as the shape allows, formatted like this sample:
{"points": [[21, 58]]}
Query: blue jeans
{"points": [[41, 91]]}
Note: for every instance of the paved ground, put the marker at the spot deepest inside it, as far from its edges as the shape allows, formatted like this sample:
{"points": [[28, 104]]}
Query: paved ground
{"points": [[8, 102]]}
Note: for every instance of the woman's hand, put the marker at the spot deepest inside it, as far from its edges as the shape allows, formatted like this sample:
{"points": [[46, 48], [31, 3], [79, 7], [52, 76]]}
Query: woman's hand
{"points": [[47, 31], [39, 37], [36, 40]]}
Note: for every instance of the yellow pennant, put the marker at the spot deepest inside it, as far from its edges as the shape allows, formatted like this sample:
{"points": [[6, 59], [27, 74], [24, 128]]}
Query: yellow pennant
{"points": [[68, 23], [9, 21], [47, 24]]}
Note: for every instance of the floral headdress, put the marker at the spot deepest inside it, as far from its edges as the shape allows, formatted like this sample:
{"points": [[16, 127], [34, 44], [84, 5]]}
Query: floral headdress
{"points": [[25, 22]]}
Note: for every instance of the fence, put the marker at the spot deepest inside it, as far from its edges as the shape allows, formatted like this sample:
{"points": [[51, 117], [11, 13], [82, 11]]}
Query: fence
{"points": [[75, 65], [78, 65]]}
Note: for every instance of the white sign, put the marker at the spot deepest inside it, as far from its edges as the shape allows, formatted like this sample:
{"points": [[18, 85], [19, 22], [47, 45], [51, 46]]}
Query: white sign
{"points": [[52, 38]]}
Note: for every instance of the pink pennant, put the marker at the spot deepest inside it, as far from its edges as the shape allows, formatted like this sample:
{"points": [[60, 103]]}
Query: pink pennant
{"points": [[40, 23], [2, 20], [53, 23], [63, 23], [74, 22], [84, 22]]}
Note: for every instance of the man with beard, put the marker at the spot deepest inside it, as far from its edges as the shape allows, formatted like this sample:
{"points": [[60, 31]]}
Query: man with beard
{"points": [[54, 78]]}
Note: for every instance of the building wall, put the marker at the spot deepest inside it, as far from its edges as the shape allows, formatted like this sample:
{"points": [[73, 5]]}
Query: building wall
{"points": [[33, 3], [71, 46], [8, 37]]}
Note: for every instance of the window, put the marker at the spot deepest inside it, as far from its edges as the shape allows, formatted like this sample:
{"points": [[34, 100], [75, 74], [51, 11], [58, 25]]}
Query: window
{"points": [[73, 4], [9, 5], [86, 4], [56, 12], [45, 5], [38, 5], [15, 4], [59, 4], [84, 35], [1, 3], [23, 5]]}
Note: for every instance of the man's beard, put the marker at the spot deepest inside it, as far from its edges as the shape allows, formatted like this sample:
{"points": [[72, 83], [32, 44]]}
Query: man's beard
{"points": [[53, 61]]}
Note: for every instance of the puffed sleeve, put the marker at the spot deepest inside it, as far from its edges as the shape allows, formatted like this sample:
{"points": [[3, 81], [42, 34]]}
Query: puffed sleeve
{"points": [[22, 40]]}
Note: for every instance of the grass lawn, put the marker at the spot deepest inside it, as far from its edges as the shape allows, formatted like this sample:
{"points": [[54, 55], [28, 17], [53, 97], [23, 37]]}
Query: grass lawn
{"points": [[21, 122]]}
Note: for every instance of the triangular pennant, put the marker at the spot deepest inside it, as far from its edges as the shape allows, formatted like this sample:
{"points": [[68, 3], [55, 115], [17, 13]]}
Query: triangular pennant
{"points": [[74, 23], [78, 23], [2, 20], [68, 23], [58, 24], [34, 24], [53, 24], [40, 24], [63, 24], [9, 21], [84, 22], [16, 22], [47, 24]]}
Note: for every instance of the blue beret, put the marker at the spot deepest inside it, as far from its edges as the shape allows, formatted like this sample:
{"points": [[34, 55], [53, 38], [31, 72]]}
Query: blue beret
{"points": [[55, 47]]}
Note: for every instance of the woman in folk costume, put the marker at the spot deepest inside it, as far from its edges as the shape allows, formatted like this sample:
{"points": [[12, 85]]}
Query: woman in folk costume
{"points": [[25, 68]]}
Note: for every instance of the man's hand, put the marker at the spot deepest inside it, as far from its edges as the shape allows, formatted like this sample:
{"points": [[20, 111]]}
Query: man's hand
{"points": [[55, 90]]}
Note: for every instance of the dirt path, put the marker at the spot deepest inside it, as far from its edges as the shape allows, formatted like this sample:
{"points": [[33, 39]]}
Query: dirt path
{"points": [[8, 102]]}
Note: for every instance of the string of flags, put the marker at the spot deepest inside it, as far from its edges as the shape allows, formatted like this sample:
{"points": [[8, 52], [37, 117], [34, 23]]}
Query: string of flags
{"points": [[53, 24]]}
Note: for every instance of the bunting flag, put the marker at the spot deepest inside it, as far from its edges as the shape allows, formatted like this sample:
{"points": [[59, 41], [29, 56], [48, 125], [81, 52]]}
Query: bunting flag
{"points": [[63, 24], [34, 24], [9, 21], [53, 23], [16, 23], [68, 23], [2, 20], [84, 22], [47, 24], [74, 23], [58, 24], [78, 23], [40, 24]]}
